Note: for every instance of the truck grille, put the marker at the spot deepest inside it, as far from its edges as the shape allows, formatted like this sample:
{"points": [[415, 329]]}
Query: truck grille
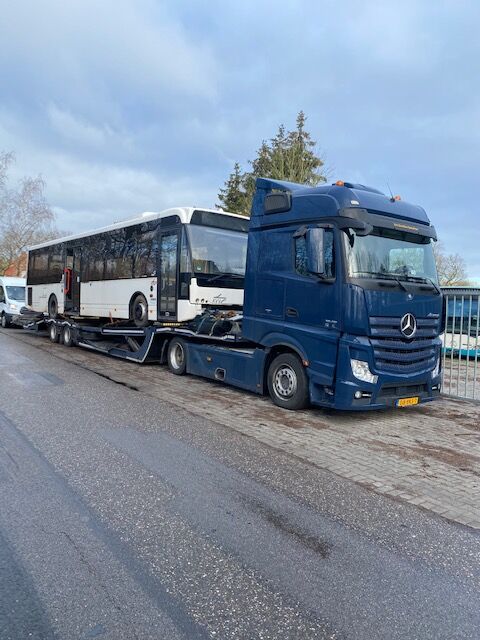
{"points": [[396, 354]]}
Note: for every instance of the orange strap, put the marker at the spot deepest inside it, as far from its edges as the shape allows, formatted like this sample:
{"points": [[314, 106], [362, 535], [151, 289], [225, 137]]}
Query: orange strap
{"points": [[68, 280]]}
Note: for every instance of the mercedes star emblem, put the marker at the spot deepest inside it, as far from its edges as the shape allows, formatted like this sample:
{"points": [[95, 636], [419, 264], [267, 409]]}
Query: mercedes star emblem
{"points": [[408, 325]]}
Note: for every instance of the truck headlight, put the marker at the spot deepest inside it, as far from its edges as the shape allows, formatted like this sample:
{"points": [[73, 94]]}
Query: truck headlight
{"points": [[361, 370], [14, 307]]}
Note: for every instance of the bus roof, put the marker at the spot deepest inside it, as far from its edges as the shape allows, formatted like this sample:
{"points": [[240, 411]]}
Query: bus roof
{"points": [[184, 213]]}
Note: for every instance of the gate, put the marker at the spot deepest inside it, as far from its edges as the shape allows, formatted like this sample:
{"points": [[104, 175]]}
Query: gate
{"points": [[461, 342]]}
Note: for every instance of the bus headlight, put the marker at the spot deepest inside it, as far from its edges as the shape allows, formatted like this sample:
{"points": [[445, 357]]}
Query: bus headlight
{"points": [[361, 370]]}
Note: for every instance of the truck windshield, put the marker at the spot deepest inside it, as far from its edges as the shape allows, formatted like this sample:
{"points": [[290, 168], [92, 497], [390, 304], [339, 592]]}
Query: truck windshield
{"points": [[217, 252], [16, 293], [387, 253]]}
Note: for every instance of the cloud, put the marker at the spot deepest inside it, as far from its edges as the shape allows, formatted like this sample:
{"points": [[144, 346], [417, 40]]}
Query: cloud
{"points": [[122, 104]]}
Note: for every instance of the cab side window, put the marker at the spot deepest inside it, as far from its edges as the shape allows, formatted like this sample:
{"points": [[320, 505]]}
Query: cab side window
{"points": [[2, 295], [301, 256]]}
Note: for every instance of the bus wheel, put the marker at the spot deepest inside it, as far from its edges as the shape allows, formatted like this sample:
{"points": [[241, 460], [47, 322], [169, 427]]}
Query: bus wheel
{"points": [[52, 307], [67, 336], [177, 357], [288, 382], [53, 333], [140, 311], [5, 321]]}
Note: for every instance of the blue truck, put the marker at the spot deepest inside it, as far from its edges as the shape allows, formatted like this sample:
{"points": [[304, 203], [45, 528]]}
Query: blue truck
{"points": [[341, 306]]}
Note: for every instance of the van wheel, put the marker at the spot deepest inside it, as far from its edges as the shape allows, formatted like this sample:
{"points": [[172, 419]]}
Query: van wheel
{"points": [[67, 336], [53, 333], [52, 307], [288, 383], [5, 321], [177, 357], [140, 311]]}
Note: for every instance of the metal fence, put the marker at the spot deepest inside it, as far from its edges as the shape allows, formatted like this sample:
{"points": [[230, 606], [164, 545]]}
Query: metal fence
{"points": [[461, 343]]}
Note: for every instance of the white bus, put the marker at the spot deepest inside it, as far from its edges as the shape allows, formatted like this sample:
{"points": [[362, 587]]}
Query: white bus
{"points": [[165, 267]]}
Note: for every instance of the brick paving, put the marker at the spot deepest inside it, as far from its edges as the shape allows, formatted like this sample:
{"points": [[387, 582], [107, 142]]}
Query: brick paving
{"points": [[428, 456]]}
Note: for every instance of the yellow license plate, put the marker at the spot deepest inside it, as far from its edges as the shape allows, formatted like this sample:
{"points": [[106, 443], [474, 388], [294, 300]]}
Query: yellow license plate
{"points": [[407, 402]]}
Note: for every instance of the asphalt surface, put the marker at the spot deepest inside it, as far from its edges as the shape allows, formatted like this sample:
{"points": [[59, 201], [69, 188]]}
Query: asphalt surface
{"points": [[122, 516]]}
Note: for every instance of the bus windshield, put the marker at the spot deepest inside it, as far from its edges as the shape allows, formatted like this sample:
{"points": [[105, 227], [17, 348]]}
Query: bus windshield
{"points": [[16, 293], [217, 252], [388, 253]]}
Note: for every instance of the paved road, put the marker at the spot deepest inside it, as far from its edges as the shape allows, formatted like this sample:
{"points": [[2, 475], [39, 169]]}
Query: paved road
{"points": [[124, 516]]}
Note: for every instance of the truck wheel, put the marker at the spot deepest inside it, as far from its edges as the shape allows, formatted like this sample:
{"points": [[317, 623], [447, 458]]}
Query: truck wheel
{"points": [[52, 307], [5, 321], [177, 357], [53, 333], [67, 336], [288, 382], [140, 311]]}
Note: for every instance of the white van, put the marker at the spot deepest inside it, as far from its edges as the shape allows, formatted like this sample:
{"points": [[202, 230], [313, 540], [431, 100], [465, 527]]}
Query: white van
{"points": [[12, 298]]}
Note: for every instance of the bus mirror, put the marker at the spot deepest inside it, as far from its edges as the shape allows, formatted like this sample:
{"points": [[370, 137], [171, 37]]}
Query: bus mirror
{"points": [[315, 251]]}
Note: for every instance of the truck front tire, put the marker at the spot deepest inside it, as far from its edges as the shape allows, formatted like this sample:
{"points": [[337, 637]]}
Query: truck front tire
{"points": [[177, 357], [287, 382], [52, 307]]}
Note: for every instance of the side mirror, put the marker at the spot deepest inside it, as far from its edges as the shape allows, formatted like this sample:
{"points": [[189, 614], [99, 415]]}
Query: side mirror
{"points": [[315, 251]]}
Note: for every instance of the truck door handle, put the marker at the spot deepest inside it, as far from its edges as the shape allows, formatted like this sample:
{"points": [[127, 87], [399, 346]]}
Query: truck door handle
{"points": [[292, 313]]}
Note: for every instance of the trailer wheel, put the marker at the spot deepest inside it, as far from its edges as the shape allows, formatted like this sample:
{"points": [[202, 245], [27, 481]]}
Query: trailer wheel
{"points": [[177, 357], [53, 333], [67, 336], [288, 382], [140, 311], [52, 307], [5, 321]]}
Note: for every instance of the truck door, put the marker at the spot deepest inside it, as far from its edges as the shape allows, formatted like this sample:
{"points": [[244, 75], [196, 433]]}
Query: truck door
{"points": [[168, 274], [312, 307], [72, 279]]}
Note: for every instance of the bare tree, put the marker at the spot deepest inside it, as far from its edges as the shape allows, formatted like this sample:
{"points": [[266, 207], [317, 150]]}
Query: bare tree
{"points": [[451, 267], [25, 217]]}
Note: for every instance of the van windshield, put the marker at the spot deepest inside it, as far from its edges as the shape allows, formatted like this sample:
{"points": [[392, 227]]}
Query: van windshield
{"points": [[16, 293]]}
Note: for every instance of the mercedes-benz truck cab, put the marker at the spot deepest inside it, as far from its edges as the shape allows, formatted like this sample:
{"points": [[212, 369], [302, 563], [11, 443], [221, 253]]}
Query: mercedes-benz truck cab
{"points": [[344, 278], [12, 298]]}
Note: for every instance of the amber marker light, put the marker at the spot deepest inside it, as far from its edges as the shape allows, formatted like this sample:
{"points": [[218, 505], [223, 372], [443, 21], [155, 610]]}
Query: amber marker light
{"points": [[340, 183]]}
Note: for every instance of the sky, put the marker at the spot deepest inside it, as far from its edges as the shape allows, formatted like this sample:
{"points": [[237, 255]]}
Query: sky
{"points": [[126, 106]]}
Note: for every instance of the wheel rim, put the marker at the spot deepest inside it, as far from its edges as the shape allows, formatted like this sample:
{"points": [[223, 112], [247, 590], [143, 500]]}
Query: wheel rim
{"points": [[177, 356], [53, 332], [285, 382], [4, 321], [66, 335], [140, 311]]}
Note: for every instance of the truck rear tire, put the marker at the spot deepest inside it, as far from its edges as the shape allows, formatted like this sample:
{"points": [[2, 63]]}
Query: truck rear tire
{"points": [[288, 383], [67, 336], [177, 357], [53, 332]]}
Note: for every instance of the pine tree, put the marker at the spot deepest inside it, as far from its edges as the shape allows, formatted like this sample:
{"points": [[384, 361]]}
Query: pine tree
{"points": [[233, 196], [287, 156]]}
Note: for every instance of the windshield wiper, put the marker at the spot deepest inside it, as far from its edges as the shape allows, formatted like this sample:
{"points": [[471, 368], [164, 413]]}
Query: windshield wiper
{"points": [[386, 276], [426, 279]]}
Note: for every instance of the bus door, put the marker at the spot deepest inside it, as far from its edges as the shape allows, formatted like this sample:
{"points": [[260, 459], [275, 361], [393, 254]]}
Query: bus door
{"points": [[168, 256], [72, 278]]}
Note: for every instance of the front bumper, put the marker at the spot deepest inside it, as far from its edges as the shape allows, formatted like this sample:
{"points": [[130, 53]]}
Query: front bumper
{"points": [[385, 393]]}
